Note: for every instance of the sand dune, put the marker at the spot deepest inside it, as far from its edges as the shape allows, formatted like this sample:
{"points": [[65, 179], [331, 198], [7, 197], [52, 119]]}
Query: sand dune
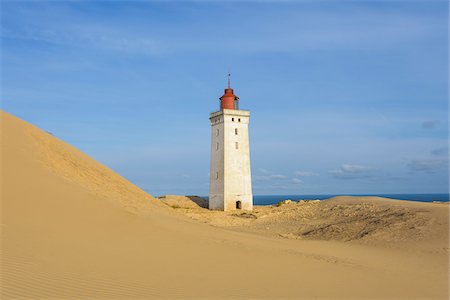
{"points": [[73, 229], [365, 220]]}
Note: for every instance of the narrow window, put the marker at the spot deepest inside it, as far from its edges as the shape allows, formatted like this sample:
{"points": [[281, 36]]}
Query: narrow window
{"points": [[232, 119], [237, 145], [238, 204], [235, 131], [239, 120], [217, 175], [217, 132], [217, 146]]}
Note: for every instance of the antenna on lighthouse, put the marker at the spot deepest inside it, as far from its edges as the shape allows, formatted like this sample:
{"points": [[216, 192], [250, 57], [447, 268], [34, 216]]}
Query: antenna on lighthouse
{"points": [[229, 75]]}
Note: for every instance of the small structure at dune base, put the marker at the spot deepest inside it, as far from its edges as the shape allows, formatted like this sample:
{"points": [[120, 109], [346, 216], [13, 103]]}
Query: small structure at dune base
{"points": [[230, 178]]}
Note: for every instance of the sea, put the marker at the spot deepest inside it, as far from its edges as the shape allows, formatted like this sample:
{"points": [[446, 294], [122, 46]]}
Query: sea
{"points": [[274, 199]]}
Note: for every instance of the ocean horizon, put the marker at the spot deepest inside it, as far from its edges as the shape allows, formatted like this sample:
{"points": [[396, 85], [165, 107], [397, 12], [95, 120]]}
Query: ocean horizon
{"points": [[274, 199]]}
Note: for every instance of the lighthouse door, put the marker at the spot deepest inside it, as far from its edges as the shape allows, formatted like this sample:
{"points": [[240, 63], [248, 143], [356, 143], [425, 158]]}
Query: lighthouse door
{"points": [[238, 205]]}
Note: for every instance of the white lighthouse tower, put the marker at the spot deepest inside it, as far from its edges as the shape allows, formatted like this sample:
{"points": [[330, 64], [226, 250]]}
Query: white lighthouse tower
{"points": [[230, 179]]}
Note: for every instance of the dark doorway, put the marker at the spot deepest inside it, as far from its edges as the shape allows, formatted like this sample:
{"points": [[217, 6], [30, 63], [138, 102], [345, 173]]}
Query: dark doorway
{"points": [[238, 204]]}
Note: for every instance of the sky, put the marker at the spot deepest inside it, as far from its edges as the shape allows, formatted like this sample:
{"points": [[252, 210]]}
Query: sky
{"points": [[346, 97]]}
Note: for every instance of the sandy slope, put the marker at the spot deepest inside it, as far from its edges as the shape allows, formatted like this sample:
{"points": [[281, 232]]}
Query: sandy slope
{"points": [[365, 220], [72, 228]]}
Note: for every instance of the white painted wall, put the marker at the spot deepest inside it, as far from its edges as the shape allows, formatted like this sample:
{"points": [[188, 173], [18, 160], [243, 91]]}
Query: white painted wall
{"points": [[230, 176]]}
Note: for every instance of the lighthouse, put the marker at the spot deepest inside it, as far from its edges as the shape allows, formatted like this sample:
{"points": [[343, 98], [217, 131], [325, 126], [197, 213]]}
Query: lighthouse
{"points": [[230, 177]]}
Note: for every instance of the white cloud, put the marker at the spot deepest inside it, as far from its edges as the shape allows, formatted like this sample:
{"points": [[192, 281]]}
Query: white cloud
{"points": [[348, 171], [269, 177], [263, 171], [296, 181], [277, 176], [427, 165], [266, 175], [354, 168], [305, 174]]}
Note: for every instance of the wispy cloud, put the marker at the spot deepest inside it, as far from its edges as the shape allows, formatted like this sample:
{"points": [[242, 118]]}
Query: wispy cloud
{"points": [[89, 36], [305, 174], [264, 171], [297, 181], [427, 165], [277, 176], [349, 171], [266, 175], [285, 31]]}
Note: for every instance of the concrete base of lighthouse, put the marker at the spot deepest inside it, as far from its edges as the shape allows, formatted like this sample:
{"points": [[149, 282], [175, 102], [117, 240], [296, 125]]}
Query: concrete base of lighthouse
{"points": [[230, 176], [232, 202]]}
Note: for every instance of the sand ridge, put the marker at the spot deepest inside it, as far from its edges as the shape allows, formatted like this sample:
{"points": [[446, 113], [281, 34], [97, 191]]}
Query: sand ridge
{"points": [[366, 220], [73, 165], [67, 233]]}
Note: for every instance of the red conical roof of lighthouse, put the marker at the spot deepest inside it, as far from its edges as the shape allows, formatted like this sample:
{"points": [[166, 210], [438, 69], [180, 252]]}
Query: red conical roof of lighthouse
{"points": [[227, 101]]}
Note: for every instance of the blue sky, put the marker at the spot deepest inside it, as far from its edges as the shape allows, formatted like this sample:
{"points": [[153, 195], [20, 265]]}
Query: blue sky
{"points": [[346, 97]]}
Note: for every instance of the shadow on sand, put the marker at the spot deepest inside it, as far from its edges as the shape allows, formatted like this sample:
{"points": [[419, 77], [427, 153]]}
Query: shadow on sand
{"points": [[199, 201]]}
